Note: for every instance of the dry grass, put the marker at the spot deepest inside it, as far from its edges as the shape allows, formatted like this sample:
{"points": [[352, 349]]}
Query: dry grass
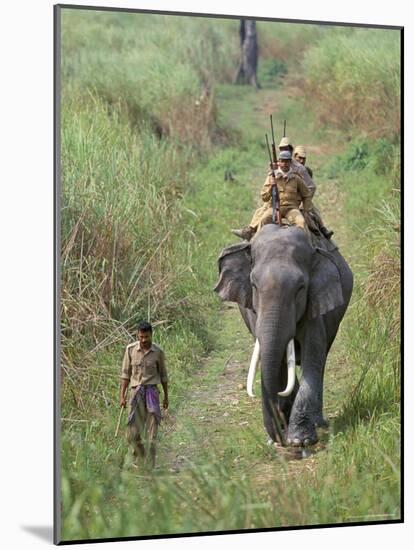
{"points": [[353, 80], [286, 42]]}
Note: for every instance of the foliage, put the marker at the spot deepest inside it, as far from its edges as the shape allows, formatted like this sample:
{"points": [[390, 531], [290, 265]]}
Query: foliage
{"points": [[367, 157], [357, 481], [271, 71], [145, 210], [136, 115], [287, 42], [158, 70], [352, 76], [372, 326]]}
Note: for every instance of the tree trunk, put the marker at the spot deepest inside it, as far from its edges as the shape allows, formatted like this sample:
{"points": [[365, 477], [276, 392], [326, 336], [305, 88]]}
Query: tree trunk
{"points": [[247, 71]]}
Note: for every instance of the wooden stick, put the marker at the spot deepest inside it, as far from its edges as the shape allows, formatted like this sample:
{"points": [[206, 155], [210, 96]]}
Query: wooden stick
{"points": [[278, 425], [119, 421]]}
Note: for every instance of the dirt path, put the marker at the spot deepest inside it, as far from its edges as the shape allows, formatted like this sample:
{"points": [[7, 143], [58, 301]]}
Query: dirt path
{"points": [[217, 421]]}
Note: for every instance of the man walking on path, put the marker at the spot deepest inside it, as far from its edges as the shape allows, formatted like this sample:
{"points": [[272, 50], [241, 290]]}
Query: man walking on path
{"points": [[143, 368]]}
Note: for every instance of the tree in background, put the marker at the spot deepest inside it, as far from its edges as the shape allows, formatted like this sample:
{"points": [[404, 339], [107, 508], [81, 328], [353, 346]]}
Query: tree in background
{"points": [[247, 71]]}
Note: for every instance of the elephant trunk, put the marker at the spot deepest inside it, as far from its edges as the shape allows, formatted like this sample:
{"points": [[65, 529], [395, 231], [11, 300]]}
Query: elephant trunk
{"points": [[273, 375], [276, 344]]}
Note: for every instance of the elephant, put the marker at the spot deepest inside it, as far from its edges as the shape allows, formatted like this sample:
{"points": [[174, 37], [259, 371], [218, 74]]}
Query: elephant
{"points": [[292, 294]]}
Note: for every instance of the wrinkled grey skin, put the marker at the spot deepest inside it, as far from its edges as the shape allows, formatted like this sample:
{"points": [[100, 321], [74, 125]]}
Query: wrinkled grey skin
{"points": [[286, 289]]}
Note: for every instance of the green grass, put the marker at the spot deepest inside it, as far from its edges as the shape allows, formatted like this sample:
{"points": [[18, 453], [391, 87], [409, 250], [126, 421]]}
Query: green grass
{"points": [[146, 210], [286, 42], [367, 427], [136, 117], [353, 76], [158, 70]]}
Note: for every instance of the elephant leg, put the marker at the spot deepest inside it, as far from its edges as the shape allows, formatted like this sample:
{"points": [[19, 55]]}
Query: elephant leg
{"points": [[318, 417], [307, 408], [331, 324]]}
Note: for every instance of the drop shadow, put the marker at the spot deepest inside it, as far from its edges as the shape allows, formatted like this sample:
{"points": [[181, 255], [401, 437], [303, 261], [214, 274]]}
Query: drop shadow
{"points": [[43, 532]]}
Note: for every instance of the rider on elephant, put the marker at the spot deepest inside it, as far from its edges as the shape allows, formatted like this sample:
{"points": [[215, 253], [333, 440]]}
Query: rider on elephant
{"points": [[298, 166], [299, 154], [292, 192]]}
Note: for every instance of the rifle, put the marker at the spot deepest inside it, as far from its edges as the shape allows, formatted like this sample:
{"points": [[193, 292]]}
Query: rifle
{"points": [[275, 192], [274, 155], [284, 128]]}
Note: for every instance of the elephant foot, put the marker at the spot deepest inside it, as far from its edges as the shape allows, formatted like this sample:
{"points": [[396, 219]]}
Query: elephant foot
{"points": [[297, 442], [302, 435]]}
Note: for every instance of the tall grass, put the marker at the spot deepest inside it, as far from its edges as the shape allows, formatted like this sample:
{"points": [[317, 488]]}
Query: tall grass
{"points": [[287, 42], [138, 109], [120, 228], [160, 70], [243, 484], [140, 233], [375, 335], [371, 410], [143, 217], [352, 78]]}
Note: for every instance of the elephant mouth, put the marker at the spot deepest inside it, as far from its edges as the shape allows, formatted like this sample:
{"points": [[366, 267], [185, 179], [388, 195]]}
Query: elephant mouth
{"points": [[291, 369]]}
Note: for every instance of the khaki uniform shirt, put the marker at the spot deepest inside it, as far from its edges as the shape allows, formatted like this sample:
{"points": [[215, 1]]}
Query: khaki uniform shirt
{"points": [[292, 191], [144, 367], [301, 170]]}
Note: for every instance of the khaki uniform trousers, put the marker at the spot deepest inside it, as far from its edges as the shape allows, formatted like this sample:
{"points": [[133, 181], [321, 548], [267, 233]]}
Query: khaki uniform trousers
{"points": [[142, 433], [263, 215]]}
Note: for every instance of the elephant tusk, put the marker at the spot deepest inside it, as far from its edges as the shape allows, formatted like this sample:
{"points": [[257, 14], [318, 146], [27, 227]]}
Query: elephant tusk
{"points": [[252, 369], [291, 366]]}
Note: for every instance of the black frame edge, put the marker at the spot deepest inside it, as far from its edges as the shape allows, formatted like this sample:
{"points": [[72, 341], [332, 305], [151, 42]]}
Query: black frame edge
{"points": [[56, 275], [230, 16]]}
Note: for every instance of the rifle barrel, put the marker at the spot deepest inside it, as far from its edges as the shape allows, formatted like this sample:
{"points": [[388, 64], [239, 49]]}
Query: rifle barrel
{"points": [[271, 125], [268, 148], [274, 153]]}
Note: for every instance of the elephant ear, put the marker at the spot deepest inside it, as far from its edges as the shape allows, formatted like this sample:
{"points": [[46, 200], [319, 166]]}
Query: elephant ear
{"points": [[234, 275], [325, 288]]}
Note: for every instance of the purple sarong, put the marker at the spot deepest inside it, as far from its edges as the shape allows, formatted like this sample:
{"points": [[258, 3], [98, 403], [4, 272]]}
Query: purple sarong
{"points": [[152, 402]]}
